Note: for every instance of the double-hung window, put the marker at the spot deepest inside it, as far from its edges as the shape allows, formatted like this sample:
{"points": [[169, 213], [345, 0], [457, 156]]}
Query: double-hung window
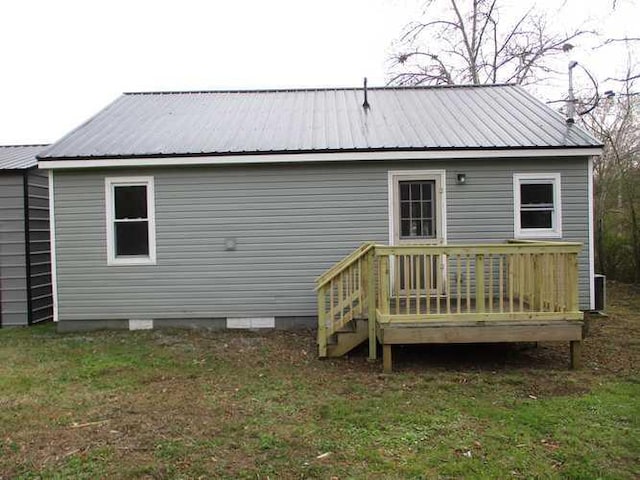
{"points": [[538, 208], [130, 221]]}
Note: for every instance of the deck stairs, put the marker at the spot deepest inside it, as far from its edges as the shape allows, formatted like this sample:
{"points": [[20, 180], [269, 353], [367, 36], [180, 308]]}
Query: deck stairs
{"points": [[352, 335]]}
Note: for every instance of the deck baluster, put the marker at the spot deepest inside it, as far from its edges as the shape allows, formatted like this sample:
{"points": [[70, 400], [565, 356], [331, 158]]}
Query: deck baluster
{"points": [[458, 283], [491, 283]]}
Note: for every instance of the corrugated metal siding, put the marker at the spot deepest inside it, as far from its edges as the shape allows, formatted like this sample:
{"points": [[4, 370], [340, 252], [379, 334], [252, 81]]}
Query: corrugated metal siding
{"points": [[13, 283], [290, 223], [40, 247], [504, 116], [19, 157]]}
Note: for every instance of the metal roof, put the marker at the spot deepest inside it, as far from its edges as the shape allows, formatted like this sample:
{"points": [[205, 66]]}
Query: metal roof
{"points": [[319, 120], [19, 157]]}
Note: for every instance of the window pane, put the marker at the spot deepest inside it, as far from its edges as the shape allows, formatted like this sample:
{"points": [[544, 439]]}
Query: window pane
{"points": [[536, 193], [536, 219], [415, 191], [132, 238], [415, 210], [405, 229], [427, 228], [427, 210], [427, 190], [404, 209], [130, 202], [404, 191], [416, 228]]}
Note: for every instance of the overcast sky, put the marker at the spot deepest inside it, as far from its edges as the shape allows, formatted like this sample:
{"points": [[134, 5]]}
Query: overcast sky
{"points": [[63, 60]]}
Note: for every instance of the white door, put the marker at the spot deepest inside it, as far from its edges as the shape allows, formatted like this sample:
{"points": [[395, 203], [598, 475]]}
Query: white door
{"points": [[417, 217]]}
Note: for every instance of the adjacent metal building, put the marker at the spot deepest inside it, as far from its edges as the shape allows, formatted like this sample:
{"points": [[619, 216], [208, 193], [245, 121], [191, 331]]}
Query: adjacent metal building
{"points": [[25, 265]]}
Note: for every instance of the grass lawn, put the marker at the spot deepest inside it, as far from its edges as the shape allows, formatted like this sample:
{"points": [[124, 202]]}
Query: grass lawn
{"points": [[187, 404]]}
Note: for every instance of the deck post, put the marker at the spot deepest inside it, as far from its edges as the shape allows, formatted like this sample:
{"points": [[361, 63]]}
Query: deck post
{"points": [[371, 305], [480, 283], [387, 361], [384, 283], [573, 286], [576, 357], [322, 322]]}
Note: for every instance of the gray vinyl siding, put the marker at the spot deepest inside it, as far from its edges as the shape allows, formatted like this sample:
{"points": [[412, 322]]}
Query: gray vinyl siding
{"points": [[290, 222], [40, 247], [13, 280]]}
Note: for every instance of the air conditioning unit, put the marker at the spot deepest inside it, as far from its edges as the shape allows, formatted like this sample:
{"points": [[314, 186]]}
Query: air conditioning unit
{"points": [[600, 290]]}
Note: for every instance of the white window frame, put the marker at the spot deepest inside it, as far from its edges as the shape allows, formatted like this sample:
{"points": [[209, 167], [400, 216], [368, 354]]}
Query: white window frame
{"points": [[556, 218], [110, 183]]}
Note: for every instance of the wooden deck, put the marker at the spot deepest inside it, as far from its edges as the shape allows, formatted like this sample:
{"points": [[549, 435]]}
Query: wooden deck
{"points": [[512, 292]]}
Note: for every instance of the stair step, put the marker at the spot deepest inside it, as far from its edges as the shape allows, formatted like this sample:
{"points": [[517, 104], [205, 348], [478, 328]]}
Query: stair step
{"points": [[344, 341], [348, 328]]}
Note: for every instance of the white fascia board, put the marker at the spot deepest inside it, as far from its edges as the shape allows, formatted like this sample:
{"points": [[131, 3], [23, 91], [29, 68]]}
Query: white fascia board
{"points": [[592, 271], [318, 157]]}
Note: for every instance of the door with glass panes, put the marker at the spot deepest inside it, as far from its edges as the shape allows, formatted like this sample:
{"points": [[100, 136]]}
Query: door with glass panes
{"points": [[417, 218]]}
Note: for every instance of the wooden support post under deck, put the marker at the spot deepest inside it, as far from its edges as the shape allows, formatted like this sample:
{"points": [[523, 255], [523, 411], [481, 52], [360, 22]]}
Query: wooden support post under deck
{"points": [[576, 357], [387, 361], [371, 306]]}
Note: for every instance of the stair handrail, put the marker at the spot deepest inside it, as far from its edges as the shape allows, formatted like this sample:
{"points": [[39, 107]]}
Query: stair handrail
{"points": [[352, 280], [343, 264]]}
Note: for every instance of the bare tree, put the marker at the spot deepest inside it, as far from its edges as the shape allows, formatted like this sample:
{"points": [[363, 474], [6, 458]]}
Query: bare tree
{"points": [[617, 183], [461, 41], [631, 74]]}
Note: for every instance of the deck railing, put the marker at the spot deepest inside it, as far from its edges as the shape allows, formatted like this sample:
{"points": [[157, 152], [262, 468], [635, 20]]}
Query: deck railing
{"points": [[517, 280], [477, 282]]}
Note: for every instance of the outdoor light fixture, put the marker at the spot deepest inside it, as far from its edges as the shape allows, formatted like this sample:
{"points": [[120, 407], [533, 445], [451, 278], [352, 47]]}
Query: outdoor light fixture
{"points": [[461, 179]]}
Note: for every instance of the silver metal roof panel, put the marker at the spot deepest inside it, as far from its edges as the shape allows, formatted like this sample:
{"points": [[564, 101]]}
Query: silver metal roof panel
{"points": [[319, 120], [19, 157]]}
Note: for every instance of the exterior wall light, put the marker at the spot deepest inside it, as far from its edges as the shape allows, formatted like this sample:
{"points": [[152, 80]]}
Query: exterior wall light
{"points": [[461, 178]]}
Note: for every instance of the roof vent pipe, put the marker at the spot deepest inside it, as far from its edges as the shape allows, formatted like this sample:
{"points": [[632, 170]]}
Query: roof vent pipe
{"points": [[365, 104]]}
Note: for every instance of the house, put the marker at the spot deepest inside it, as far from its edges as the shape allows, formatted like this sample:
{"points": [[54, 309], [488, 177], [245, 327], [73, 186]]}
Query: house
{"points": [[25, 266], [221, 208]]}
